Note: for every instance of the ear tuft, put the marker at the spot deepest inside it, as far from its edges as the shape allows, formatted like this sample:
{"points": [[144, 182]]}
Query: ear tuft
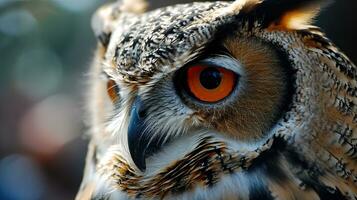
{"points": [[289, 14], [295, 19], [104, 20]]}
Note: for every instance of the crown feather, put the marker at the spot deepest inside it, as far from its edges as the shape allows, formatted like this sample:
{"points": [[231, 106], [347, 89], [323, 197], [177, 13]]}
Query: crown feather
{"points": [[103, 21]]}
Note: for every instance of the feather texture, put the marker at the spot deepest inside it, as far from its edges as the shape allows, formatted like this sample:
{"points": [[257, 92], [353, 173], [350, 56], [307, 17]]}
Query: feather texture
{"points": [[288, 129]]}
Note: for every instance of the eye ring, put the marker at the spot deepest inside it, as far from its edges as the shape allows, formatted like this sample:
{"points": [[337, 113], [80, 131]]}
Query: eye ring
{"points": [[209, 83]]}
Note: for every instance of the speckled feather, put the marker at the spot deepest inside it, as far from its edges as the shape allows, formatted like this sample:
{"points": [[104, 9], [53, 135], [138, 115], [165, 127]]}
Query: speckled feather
{"points": [[204, 166], [310, 152], [157, 39]]}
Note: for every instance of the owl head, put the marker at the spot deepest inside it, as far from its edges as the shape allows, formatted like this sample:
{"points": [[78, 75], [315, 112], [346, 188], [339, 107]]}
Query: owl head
{"points": [[219, 100]]}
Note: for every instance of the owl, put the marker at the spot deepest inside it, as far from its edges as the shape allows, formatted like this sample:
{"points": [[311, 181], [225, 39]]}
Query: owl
{"points": [[219, 100]]}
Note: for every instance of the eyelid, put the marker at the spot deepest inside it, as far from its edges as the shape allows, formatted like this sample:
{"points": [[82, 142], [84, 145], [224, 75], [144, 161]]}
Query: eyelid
{"points": [[224, 61]]}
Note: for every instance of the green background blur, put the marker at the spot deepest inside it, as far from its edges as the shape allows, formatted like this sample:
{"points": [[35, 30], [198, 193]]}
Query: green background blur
{"points": [[45, 51]]}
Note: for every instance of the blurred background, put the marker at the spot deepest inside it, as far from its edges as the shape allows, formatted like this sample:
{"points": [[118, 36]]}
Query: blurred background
{"points": [[45, 51]]}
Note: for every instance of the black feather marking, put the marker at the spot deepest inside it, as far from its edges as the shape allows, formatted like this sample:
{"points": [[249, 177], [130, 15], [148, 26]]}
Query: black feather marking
{"points": [[326, 192], [311, 178], [267, 163], [259, 191], [104, 38]]}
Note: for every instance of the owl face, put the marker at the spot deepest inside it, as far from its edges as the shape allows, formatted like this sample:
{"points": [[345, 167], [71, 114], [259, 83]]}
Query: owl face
{"points": [[234, 85], [206, 97]]}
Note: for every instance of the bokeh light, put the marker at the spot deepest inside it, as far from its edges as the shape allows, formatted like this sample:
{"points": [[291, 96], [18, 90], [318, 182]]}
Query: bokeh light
{"points": [[45, 49], [20, 178], [50, 124], [37, 72], [17, 22], [75, 6]]}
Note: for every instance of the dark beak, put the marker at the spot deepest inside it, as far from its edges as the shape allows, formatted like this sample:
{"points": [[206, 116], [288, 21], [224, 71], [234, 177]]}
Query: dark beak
{"points": [[141, 141], [137, 146]]}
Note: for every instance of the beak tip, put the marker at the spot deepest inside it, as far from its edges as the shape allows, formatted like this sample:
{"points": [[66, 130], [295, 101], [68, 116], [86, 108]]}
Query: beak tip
{"points": [[139, 160], [141, 166]]}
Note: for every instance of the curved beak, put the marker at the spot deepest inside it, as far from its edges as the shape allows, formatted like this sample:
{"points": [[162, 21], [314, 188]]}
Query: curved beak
{"points": [[136, 137], [140, 140]]}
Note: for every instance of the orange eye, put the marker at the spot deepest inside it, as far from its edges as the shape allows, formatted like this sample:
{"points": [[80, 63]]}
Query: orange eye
{"points": [[113, 90], [210, 83]]}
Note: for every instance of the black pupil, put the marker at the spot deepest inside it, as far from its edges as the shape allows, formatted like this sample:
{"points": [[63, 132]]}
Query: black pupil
{"points": [[210, 78]]}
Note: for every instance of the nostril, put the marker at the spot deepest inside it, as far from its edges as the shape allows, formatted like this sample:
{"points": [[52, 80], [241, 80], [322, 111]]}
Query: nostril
{"points": [[142, 113]]}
